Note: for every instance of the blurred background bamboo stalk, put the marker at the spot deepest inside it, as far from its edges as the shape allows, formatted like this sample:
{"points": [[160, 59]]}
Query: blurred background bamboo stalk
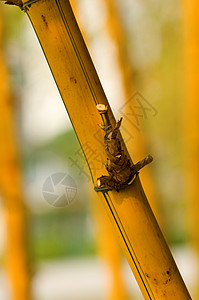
{"points": [[11, 191], [191, 121], [136, 145]]}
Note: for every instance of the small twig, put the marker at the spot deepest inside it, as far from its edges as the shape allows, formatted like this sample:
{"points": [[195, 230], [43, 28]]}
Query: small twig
{"points": [[141, 164]]}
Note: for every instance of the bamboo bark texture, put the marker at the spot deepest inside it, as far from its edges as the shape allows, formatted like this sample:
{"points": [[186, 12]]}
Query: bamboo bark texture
{"points": [[129, 210]]}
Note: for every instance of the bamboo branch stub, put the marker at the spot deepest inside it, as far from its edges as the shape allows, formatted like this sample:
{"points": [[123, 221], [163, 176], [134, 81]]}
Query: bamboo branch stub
{"points": [[121, 172]]}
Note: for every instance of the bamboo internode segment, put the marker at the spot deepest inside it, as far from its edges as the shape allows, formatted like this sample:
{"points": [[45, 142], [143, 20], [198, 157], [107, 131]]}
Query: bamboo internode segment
{"points": [[80, 88]]}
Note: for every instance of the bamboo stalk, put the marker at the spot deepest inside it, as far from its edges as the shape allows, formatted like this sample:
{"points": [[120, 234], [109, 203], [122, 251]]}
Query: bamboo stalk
{"points": [[190, 120], [129, 210], [16, 252]]}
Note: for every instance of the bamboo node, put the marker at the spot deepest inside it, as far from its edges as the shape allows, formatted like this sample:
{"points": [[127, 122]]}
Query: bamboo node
{"points": [[121, 172]]}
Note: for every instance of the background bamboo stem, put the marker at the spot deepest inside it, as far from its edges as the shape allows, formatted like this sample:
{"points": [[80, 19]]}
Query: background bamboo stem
{"points": [[191, 117], [16, 252], [137, 145]]}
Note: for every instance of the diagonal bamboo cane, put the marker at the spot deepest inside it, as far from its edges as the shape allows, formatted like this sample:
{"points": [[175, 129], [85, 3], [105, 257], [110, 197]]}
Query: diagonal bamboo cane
{"points": [[80, 88]]}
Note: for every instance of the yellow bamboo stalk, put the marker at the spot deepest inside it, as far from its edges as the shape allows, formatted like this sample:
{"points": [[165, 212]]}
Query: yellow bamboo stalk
{"points": [[129, 210], [191, 117], [16, 260], [191, 113]]}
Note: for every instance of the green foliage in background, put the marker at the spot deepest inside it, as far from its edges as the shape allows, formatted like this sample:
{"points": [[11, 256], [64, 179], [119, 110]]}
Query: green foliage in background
{"points": [[58, 234], [61, 232]]}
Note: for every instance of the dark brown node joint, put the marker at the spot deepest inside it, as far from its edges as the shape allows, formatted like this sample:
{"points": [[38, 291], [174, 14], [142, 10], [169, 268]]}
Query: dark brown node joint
{"points": [[121, 172]]}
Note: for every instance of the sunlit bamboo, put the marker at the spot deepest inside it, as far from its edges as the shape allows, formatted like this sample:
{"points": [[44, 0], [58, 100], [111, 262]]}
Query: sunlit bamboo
{"points": [[128, 209], [191, 117], [16, 257]]}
